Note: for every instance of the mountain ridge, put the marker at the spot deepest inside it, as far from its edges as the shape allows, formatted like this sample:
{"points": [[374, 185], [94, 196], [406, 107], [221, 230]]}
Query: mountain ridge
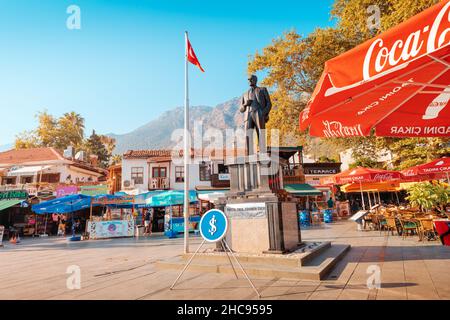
{"points": [[156, 134]]}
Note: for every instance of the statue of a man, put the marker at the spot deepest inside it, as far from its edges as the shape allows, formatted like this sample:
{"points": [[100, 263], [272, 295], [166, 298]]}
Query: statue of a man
{"points": [[257, 105]]}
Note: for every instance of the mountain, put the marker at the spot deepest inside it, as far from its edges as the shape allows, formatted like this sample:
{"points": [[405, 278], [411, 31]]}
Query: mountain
{"points": [[157, 133]]}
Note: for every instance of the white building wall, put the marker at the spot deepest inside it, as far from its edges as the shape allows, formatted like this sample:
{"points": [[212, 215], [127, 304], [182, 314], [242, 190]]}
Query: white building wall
{"points": [[65, 170], [127, 164], [194, 173]]}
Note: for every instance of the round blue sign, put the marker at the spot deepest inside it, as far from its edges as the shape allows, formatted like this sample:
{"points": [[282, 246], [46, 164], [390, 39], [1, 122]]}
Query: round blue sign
{"points": [[213, 225]]}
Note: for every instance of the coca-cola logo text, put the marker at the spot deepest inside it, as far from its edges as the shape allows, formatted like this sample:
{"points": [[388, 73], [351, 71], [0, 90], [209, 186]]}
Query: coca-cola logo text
{"points": [[337, 129], [426, 40]]}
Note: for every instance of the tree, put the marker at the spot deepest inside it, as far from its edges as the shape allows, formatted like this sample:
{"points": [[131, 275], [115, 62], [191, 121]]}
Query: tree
{"points": [[95, 146], [70, 131], [60, 133], [26, 140], [410, 152], [116, 159], [428, 195], [293, 64]]}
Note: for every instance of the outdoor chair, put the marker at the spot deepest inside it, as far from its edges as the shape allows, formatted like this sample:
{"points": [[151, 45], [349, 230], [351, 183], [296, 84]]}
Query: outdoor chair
{"points": [[426, 229], [409, 227], [391, 225], [382, 223]]}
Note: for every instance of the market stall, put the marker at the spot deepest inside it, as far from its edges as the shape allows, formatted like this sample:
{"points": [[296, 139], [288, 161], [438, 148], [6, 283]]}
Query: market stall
{"points": [[115, 222], [172, 202]]}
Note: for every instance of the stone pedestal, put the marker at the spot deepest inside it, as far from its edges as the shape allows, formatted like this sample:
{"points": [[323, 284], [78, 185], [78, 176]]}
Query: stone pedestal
{"points": [[258, 221]]}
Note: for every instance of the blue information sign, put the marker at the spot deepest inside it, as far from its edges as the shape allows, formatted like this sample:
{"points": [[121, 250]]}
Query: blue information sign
{"points": [[213, 225]]}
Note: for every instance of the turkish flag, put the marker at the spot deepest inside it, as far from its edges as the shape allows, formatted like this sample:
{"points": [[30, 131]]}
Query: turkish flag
{"points": [[192, 58]]}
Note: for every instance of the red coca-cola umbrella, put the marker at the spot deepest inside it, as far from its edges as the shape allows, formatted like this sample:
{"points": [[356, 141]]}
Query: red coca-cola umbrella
{"points": [[360, 174], [396, 84], [436, 169]]}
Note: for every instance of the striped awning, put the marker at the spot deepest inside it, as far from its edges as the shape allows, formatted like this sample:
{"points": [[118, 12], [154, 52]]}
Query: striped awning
{"points": [[302, 189], [5, 204]]}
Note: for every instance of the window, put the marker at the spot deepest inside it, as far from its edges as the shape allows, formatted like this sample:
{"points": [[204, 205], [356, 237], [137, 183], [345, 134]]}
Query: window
{"points": [[179, 174], [205, 172], [137, 175], [222, 168], [24, 180], [8, 181], [49, 177], [159, 172]]}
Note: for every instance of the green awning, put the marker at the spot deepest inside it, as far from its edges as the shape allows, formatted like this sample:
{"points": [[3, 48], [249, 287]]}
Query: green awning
{"points": [[5, 204], [302, 189]]}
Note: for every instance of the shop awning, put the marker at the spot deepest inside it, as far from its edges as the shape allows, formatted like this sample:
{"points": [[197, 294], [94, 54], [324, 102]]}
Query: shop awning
{"points": [[171, 198], [28, 170], [5, 204], [66, 204], [302, 189], [387, 186]]}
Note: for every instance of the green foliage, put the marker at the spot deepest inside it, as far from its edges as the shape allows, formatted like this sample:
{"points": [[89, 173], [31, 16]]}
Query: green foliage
{"points": [[429, 196], [95, 145], [410, 152], [60, 133]]}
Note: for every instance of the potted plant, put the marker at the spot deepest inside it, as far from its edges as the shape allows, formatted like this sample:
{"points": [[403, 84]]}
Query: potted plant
{"points": [[428, 196]]}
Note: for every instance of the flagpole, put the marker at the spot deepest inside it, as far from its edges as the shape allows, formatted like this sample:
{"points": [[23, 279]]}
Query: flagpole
{"points": [[186, 149]]}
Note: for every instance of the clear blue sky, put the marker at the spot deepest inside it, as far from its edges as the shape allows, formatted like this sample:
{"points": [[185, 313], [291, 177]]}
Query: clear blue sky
{"points": [[125, 66]]}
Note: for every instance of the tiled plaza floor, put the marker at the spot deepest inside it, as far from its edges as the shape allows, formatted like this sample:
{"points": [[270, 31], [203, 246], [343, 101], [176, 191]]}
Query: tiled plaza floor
{"points": [[125, 269]]}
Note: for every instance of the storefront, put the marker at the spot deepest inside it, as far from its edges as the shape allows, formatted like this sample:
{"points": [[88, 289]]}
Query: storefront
{"points": [[118, 221], [15, 214]]}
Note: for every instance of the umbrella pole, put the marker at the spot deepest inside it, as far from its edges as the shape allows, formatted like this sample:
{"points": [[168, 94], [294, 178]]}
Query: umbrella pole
{"points": [[171, 219], [370, 200], [396, 195], [45, 225], [362, 196], [448, 180], [379, 198]]}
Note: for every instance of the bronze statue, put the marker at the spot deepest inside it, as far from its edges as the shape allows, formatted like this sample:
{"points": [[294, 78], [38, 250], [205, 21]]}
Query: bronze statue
{"points": [[257, 105]]}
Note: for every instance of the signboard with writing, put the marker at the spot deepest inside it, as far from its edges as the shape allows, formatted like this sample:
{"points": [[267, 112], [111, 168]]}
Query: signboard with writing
{"points": [[322, 168], [117, 200], [94, 190], [224, 176], [62, 191], [110, 229], [246, 210], [13, 194]]}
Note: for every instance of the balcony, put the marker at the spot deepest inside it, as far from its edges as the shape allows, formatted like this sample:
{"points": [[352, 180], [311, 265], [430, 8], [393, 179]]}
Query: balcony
{"points": [[221, 180], [159, 184]]}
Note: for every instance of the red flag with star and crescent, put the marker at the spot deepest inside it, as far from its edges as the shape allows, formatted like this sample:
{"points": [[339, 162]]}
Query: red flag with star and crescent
{"points": [[192, 58]]}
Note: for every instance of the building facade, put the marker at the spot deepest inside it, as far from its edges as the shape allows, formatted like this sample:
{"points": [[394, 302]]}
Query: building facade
{"points": [[147, 170], [33, 169]]}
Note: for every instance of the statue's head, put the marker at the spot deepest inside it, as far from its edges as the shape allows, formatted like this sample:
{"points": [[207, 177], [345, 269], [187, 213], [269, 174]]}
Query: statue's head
{"points": [[252, 80]]}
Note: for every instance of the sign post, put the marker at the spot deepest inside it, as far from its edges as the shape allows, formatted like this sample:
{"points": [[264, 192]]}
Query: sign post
{"points": [[213, 228]]}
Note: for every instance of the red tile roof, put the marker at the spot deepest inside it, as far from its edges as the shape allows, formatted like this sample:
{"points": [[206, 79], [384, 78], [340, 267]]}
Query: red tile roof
{"points": [[145, 154], [163, 155], [29, 155]]}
